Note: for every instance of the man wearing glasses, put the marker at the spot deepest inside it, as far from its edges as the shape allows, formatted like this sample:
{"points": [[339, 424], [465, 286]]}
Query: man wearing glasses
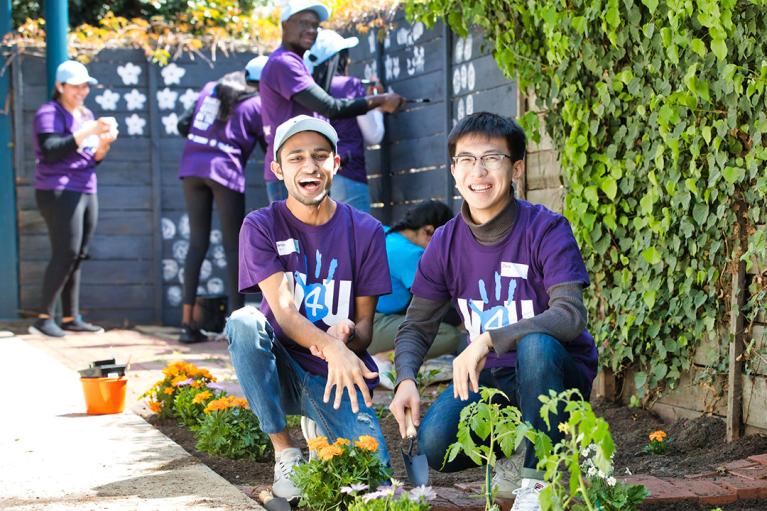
{"points": [[288, 89], [321, 266], [515, 273]]}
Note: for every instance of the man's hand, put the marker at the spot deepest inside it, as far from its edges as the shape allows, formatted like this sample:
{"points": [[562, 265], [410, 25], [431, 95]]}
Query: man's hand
{"points": [[468, 364], [343, 330], [345, 371], [391, 102], [406, 397]]}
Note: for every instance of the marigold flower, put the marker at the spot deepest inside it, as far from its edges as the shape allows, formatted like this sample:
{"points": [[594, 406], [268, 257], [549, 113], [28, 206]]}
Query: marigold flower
{"points": [[202, 397], [329, 452], [367, 443], [168, 390], [317, 443], [217, 404], [197, 384], [154, 406], [658, 436], [340, 442]]}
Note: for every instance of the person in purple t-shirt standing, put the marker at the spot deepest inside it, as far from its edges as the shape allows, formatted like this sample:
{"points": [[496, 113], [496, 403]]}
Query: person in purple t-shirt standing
{"points": [[288, 89], [329, 59], [69, 143], [515, 274], [321, 266], [221, 130]]}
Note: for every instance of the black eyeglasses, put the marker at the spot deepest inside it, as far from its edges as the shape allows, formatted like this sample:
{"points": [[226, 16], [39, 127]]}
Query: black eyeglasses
{"points": [[492, 161]]}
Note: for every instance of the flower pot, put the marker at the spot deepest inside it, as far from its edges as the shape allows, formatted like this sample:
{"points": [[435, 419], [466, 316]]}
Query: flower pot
{"points": [[104, 395]]}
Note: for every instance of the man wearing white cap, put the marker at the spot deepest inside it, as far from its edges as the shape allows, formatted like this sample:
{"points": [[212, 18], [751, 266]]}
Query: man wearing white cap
{"points": [[320, 266], [288, 89]]}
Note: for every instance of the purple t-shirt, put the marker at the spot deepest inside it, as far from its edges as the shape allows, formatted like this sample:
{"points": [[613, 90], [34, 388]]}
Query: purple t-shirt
{"points": [[77, 170], [327, 265], [351, 145], [283, 76], [219, 150], [494, 286]]}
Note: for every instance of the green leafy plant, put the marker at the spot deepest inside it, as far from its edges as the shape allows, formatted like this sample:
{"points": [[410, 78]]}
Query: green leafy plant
{"points": [[335, 466], [659, 442], [176, 375], [605, 491], [657, 109], [228, 428], [494, 423], [190, 402], [390, 498]]}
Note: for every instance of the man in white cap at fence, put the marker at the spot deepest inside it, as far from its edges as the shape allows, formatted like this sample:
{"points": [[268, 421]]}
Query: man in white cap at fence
{"points": [[320, 266]]}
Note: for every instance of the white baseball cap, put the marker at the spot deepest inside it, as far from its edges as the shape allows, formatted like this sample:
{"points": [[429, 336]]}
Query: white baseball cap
{"points": [[254, 67], [328, 43], [301, 123], [73, 73], [296, 6]]}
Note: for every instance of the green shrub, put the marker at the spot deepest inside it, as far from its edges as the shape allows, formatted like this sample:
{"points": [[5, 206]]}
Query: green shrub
{"points": [[228, 428]]}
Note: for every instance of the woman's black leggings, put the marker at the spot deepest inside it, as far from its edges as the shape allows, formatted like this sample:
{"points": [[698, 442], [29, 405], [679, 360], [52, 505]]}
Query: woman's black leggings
{"points": [[71, 219], [199, 194]]}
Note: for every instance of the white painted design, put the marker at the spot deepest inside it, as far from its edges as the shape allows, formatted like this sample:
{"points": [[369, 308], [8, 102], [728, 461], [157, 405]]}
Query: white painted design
{"points": [[201, 290], [417, 62], [395, 68], [467, 47], [215, 286], [169, 269], [403, 36], [407, 36], [183, 226], [216, 237], [170, 122], [181, 275], [134, 100], [458, 54], [180, 249], [129, 73], [469, 105], [107, 100], [220, 262], [456, 81], [460, 111], [205, 270], [464, 77], [471, 77], [372, 41], [168, 228], [135, 125], [418, 30], [166, 99], [172, 74], [370, 72], [173, 295], [188, 98], [387, 67], [387, 41]]}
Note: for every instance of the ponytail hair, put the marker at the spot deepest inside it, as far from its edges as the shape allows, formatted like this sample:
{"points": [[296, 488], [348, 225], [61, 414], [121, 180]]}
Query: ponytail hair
{"points": [[230, 90], [430, 212]]}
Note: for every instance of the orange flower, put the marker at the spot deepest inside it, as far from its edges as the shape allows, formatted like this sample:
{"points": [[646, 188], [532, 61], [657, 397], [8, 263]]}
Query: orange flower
{"points": [[340, 442], [202, 397], [217, 404], [178, 379], [317, 443], [658, 436], [197, 384], [168, 390], [329, 452], [367, 443], [154, 406]]}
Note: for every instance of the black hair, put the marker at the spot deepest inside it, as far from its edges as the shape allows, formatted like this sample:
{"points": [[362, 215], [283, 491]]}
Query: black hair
{"points": [[230, 90], [56, 96], [490, 125], [431, 212]]}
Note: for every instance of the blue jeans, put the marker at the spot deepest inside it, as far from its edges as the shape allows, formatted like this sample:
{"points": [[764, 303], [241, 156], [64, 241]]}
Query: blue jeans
{"points": [[276, 385], [351, 192], [543, 364], [275, 190]]}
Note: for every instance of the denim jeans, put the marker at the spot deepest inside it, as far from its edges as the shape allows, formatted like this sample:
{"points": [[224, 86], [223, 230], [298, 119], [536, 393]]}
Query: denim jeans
{"points": [[350, 192], [276, 385], [275, 190], [543, 364]]}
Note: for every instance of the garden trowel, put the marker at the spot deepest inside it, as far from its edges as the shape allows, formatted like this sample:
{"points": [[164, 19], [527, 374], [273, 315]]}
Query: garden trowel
{"points": [[417, 466]]}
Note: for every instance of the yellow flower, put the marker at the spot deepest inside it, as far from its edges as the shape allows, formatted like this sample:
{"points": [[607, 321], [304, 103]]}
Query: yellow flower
{"points": [[168, 390], [197, 384], [563, 427], [340, 442], [367, 442], [154, 406], [202, 397], [658, 436], [178, 379], [329, 452], [317, 443]]}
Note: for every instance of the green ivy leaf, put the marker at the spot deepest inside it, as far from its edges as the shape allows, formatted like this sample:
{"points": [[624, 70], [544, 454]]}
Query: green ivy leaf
{"points": [[651, 255], [719, 48], [651, 5]]}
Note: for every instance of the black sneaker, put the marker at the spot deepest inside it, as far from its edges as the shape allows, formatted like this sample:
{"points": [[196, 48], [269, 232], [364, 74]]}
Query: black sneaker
{"points": [[78, 325], [46, 326], [191, 335]]}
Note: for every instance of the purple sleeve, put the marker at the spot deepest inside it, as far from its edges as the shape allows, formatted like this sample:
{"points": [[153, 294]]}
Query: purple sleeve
{"points": [[559, 257], [258, 253], [47, 120], [430, 282], [290, 76], [357, 89], [373, 273]]}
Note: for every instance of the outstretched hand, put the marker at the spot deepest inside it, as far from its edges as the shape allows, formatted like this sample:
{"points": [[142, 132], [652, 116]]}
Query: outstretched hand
{"points": [[468, 364], [345, 371]]}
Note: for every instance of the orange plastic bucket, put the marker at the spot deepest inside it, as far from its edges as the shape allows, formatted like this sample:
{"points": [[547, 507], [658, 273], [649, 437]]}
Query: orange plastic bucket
{"points": [[104, 395]]}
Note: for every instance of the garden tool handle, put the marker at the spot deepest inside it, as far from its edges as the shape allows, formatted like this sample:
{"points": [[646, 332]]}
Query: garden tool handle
{"points": [[410, 430]]}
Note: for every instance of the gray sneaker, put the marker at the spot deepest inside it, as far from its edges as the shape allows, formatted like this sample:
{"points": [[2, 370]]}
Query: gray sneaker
{"points": [[506, 477], [285, 461]]}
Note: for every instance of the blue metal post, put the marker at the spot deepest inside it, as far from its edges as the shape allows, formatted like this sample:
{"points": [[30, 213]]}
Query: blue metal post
{"points": [[9, 254], [56, 26]]}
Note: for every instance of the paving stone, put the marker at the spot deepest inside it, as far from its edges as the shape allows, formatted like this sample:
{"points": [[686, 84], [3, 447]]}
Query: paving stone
{"points": [[440, 504], [755, 473], [745, 488], [461, 499], [734, 465], [759, 458], [707, 491], [702, 475], [660, 491], [473, 487]]}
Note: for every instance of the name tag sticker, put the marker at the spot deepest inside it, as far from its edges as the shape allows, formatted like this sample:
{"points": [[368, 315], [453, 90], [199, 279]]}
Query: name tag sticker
{"points": [[288, 246], [514, 270]]}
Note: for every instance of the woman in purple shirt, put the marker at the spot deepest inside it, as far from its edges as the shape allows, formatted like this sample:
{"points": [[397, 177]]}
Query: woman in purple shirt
{"points": [[221, 130], [69, 143]]}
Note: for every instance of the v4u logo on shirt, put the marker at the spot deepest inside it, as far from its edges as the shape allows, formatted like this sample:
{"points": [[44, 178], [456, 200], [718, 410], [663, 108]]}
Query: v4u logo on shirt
{"points": [[478, 318], [317, 297]]}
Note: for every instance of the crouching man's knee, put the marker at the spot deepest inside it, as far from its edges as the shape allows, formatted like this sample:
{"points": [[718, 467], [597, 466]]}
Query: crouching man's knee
{"points": [[248, 325]]}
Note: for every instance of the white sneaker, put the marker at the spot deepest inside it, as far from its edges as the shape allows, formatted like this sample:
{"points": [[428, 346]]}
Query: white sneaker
{"points": [[385, 370], [309, 430], [506, 476], [527, 496], [285, 461]]}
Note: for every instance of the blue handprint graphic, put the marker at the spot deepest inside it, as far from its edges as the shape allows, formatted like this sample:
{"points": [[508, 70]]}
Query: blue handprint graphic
{"points": [[314, 294], [498, 316]]}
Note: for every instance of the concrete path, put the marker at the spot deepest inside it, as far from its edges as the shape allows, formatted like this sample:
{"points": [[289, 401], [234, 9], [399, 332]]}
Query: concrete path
{"points": [[55, 457]]}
